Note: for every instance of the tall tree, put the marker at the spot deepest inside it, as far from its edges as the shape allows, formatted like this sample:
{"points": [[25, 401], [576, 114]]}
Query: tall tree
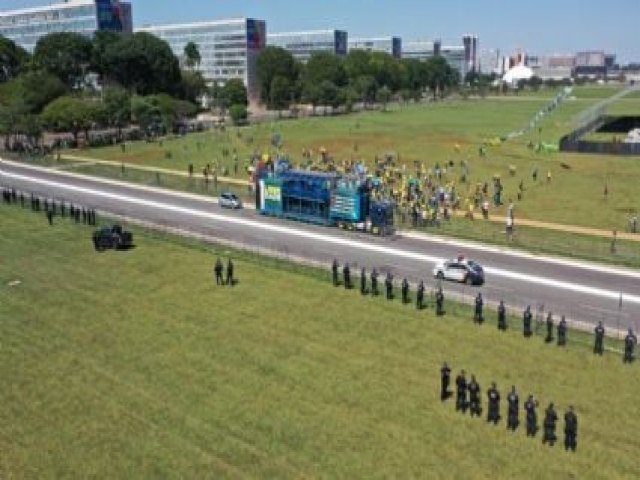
{"points": [[192, 56], [12, 59], [193, 85], [281, 92], [235, 93], [69, 114], [117, 107], [144, 64], [66, 55], [325, 66], [357, 64], [275, 62]]}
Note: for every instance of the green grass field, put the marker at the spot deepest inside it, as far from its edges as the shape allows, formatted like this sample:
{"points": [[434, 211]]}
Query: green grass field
{"points": [[133, 365], [429, 134]]}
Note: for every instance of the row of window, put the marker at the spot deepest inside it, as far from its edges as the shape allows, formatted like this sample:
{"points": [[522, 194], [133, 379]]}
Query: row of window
{"points": [[49, 16], [203, 38], [43, 28]]}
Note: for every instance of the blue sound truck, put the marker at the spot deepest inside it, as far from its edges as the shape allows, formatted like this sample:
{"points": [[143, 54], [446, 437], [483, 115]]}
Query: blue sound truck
{"points": [[323, 198]]}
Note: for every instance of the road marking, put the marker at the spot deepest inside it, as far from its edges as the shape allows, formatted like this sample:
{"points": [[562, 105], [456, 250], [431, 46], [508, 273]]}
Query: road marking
{"points": [[546, 282], [594, 267]]}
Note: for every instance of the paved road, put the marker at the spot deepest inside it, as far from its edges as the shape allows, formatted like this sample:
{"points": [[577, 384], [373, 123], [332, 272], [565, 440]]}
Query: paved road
{"points": [[583, 292]]}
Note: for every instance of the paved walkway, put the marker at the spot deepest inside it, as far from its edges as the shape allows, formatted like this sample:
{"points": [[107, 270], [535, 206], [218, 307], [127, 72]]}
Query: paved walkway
{"points": [[594, 232]]}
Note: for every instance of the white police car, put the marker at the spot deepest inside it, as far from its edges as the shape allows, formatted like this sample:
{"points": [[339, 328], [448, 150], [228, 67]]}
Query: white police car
{"points": [[460, 270]]}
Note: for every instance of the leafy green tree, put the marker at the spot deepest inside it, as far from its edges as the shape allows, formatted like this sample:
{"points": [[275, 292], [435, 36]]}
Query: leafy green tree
{"points": [[146, 114], [235, 93], [366, 86], [32, 90], [325, 66], [66, 55], [281, 93], [328, 94], [413, 77], [275, 62], [384, 97], [117, 107], [143, 64], [357, 64], [69, 114], [192, 55], [386, 70], [440, 76], [102, 41], [12, 59], [238, 114], [193, 85], [535, 83]]}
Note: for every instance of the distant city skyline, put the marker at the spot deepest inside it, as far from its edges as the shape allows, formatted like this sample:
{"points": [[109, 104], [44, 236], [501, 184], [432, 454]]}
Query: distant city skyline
{"points": [[541, 28]]}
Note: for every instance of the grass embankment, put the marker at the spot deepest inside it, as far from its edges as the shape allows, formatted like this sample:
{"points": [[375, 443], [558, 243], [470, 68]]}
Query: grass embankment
{"points": [[429, 134], [132, 364]]}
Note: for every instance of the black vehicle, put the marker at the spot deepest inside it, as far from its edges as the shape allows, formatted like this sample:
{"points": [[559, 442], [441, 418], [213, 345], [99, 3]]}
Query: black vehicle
{"points": [[112, 236]]}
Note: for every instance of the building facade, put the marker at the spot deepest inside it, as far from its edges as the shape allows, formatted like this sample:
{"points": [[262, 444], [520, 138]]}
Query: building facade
{"points": [[304, 44], [26, 26], [425, 49], [390, 45], [228, 48]]}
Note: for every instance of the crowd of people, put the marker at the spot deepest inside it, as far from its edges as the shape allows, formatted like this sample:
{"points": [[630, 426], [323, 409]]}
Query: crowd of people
{"points": [[469, 398]]}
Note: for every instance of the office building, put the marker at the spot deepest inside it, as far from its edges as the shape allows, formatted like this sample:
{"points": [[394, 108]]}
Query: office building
{"points": [[593, 63], [470, 44], [228, 48], [25, 26], [304, 44], [425, 49], [390, 45]]}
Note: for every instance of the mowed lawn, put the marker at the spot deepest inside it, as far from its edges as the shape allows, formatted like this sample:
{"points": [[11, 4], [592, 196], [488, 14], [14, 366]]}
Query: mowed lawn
{"points": [[134, 365], [450, 131]]}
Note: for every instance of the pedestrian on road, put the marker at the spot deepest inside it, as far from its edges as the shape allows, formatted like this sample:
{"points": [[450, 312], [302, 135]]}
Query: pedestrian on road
{"points": [[218, 272], [598, 347], [230, 280]]}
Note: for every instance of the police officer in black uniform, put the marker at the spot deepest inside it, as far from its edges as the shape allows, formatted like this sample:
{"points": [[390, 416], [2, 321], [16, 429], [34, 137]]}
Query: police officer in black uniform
{"points": [[527, 317], [363, 281], [374, 283], [49, 213], [513, 402], [230, 273], [493, 404], [630, 342], [445, 379], [388, 283], [550, 418], [532, 417], [474, 397], [477, 315], [598, 347], [502, 317], [439, 302], [420, 296], [218, 272], [461, 392], [562, 332], [570, 430], [405, 291], [346, 274], [334, 272], [549, 337]]}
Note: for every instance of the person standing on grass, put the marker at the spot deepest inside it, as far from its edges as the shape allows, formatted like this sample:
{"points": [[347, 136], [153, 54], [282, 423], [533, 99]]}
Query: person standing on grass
{"points": [[493, 412], [334, 272], [440, 302], [445, 379], [461, 392], [388, 282], [346, 274], [502, 317], [570, 430], [549, 337], [363, 281], [532, 417], [218, 272], [550, 419], [230, 280], [475, 408], [562, 332], [513, 402], [477, 315], [630, 342], [526, 322], [405, 291], [420, 296], [599, 331], [374, 282]]}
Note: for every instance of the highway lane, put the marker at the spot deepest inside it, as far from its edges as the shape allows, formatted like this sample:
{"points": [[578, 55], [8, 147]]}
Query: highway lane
{"points": [[580, 291]]}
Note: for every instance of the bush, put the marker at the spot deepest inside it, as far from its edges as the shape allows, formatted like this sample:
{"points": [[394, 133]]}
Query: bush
{"points": [[238, 114]]}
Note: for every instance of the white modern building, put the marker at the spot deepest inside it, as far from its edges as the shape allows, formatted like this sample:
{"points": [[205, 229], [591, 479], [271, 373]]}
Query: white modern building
{"points": [[304, 44], [390, 45], [25, 26], [425, 49], [228, 48]]}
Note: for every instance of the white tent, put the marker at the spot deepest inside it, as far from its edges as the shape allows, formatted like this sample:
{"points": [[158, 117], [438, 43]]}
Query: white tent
{"points": [[517, 73]]}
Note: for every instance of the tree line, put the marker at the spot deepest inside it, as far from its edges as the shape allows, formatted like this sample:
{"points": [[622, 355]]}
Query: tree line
{"points": [[359, 77]]}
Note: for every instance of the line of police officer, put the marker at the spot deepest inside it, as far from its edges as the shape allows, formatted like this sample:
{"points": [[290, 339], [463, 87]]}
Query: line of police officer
{"points": [[51, 208], [562, 329], [388, 284], [468, 398]]}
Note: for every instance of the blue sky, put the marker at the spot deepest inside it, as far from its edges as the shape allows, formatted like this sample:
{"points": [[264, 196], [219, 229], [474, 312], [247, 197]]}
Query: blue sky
{"points": [[537, 26]]}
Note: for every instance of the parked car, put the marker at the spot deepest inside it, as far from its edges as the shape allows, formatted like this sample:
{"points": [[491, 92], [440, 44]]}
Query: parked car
{"points": [[460, 270], [112, 236], [230, 200]]}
